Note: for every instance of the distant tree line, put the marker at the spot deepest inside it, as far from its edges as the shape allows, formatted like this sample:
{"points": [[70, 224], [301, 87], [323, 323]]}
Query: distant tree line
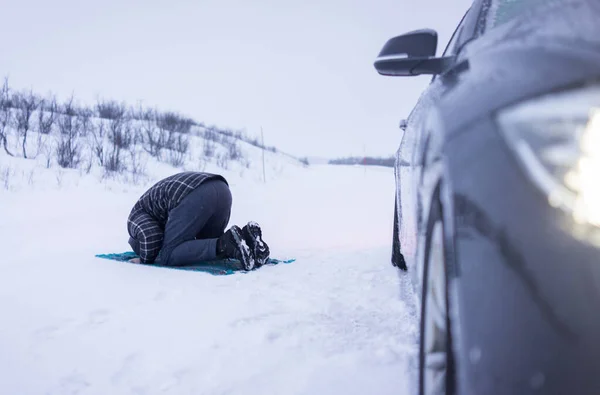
{"points": [[366, 161]]}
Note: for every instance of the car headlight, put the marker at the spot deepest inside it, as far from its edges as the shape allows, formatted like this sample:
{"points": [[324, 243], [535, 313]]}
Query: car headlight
{"points": [[557, 140]]}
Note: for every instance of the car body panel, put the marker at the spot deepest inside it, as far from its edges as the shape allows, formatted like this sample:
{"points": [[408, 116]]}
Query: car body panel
{"points": [[529, 291]]}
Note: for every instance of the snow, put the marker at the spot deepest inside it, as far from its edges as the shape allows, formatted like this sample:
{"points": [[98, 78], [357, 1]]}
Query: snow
{"points": [[337, 321]]}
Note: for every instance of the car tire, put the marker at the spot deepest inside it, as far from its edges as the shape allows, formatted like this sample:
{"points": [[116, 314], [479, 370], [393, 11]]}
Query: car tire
{"points": [[436, 367]]}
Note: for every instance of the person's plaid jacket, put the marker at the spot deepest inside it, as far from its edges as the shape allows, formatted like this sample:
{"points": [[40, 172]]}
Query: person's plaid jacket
{"points": [[147, 220]]}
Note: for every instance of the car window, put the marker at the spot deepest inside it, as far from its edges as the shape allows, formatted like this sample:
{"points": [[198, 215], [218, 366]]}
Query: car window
{"points": [[498, 12], [451, 47]]}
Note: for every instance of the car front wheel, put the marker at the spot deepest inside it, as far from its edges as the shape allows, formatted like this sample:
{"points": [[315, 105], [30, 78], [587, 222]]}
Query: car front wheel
{"points": [[435, 359]]}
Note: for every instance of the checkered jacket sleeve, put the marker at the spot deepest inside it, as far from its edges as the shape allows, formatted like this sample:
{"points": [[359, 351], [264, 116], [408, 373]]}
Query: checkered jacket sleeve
{"points": [[148, 233]]}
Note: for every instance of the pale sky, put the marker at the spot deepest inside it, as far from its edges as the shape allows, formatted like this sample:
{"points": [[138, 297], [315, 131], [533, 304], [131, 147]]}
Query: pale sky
{"points": [[301, 69]]}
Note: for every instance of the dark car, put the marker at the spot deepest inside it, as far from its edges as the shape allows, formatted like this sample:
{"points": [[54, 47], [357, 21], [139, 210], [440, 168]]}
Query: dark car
{"points": [[498, 198]]}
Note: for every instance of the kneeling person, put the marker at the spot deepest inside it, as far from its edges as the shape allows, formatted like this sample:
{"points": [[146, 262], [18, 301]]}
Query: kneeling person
{"points": [[181, 221]]}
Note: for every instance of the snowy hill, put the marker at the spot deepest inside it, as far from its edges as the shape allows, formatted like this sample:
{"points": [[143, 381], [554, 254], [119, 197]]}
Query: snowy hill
{"points": [[339, 320], [115, 141]]}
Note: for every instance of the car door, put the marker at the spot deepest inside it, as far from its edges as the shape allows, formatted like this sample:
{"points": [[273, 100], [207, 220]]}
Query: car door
{"points": [[409, 158]]}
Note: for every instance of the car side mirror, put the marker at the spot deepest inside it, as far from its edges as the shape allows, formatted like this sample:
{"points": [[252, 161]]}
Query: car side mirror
{"points": [[412, 54]]}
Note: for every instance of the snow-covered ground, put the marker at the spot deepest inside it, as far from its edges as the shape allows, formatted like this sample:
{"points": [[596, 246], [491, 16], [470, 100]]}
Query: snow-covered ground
{"points": [[333, 322]]}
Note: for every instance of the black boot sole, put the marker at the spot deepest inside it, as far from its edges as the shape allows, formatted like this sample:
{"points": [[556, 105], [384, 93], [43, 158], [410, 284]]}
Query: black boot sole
{"points": [[259, 249], [245, 255]]}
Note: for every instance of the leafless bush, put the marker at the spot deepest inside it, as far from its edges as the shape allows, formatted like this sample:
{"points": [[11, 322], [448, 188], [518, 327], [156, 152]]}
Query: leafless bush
{"points": [[47, 115], [5, 115], [211, 134], [25, 104], [89, 164], [69, 107], [110, 109], [31, 177], [233, 151], [5, 176], [85, 118], [172, 137], [120, 133], [178, 150], [68, 152], [222, 161], [153, 137], [120, 136], [48, 151], [182, 144], [113, 163], [137, 113], [137, 165], [98, 133], [208, 148], [245, 162], [59, 177], [174, 122], [68, 149]]}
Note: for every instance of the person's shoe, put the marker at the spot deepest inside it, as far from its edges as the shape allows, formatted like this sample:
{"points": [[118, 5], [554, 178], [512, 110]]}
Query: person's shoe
{"points": [[258, 248], [232, 245]]}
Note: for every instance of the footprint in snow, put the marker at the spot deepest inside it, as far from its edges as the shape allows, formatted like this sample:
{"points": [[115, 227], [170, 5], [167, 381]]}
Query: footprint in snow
{"points": [[130, 365], [51, 332], [97, 318], [72, 384]]}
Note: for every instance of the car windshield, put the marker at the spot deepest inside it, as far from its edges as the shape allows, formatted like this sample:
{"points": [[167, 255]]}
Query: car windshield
{"points": [[502, 11]]}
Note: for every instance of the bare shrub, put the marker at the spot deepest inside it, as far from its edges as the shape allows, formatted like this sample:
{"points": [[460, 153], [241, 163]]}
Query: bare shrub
{"points": [[208, 148], [174, 122], [48, 151], [178, 151], [85, 118], [222, 161], [68, 148], [31, 177], [233, 151], [98, 133], [68, 152], [211, 134], [5, 115], [137, 165], [153, 137], [171, 135], [25, 104], [138, 113], [47, 115], [69, 107], [120, 133], [89, 164], [120, 136], [110, 109], [59, 177], [5, 177]]}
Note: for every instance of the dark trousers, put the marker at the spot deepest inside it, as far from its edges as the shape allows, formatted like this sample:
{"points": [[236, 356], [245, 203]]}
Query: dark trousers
{"points": [[194, 225]]}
